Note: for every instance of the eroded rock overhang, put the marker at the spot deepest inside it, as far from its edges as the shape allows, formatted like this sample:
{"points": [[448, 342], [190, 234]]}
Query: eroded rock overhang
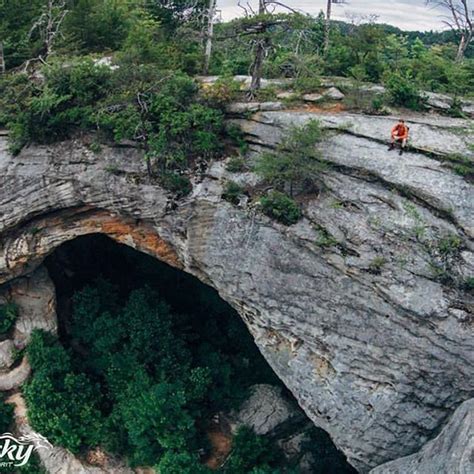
{"points": [[377, 355]]}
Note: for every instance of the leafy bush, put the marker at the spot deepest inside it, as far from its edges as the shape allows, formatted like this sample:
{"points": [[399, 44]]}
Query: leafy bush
{"points": [[8, 315], [280, 207], [164, 114], [296, 160], [252, 453], [62, 404], [232, 192], [236, 164], [64, 103], [223, 91], [181, 463], [6, 415], [402, 91], [176, 183], [143, 389]]}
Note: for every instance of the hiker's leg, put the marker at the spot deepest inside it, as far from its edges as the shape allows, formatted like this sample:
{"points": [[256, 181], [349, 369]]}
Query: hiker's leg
{"points": [[402, 145], [392, 143]]}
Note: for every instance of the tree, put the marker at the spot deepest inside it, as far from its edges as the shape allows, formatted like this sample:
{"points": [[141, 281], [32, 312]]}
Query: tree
{"points": [[2, 59], [210, 34], [259, 24], [460, 21], [49, 24], [296, 159], [328, 22]]}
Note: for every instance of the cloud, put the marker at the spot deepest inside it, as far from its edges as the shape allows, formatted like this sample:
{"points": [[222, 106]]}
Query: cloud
{"points": [[406, 14]]}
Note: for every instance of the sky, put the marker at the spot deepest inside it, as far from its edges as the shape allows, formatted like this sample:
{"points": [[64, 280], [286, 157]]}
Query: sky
{"points": [[406, 14]]}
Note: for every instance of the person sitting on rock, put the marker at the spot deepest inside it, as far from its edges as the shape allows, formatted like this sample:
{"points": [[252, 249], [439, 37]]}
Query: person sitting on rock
{"points": [[399, 135]]}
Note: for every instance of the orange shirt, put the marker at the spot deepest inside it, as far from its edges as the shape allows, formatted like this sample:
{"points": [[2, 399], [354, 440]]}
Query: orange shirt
{"points": [[400, 130]]}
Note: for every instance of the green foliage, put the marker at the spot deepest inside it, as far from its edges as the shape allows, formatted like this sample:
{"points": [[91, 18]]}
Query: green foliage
{"points": [[377, 264], [236, 164], [252, 453], [63, 103], [62, 404], [173, 462], [468, 284], [402, 91], [462, 165], [296, 160], [93, 25], [444, 254], [8, 315], [143, 390], [232, 192], [6, 415], [280, 207], [162, 111], [449, 245], [325, 238], [178, 184], [223, 91]]}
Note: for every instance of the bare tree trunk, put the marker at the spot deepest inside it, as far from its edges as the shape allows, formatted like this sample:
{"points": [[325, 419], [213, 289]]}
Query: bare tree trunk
{"points": [[257, 65], [210, 34], [327, 29], [461, 22], [461, 49], [2, 59]]}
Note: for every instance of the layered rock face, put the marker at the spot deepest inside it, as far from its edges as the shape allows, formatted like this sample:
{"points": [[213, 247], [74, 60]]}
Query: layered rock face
{"points": [[361, 308], [451, 451]]}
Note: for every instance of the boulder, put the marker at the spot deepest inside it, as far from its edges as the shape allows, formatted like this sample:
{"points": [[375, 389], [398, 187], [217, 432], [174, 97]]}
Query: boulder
{"points": [[313, 97], [243, 107], [287, 95], [271, 106], [334, 94], [265, 410], [452, 451], [7, 354], [35, 298]]}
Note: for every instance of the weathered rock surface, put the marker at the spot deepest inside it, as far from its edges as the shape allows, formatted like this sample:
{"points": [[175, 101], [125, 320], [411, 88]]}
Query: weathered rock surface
{"points": [[357, 307], [452, 451], [35, 300], [265, 410], [334, 93], [313, 97], [7, 349], [34, 296]]}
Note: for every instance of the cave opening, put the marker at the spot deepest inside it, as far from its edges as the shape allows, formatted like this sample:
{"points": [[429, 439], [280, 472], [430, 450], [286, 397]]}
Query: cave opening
{"points": [[160, 371]]}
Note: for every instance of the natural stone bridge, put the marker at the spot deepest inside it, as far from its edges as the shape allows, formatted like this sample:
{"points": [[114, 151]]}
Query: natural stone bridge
{"points": [[371, 329]]}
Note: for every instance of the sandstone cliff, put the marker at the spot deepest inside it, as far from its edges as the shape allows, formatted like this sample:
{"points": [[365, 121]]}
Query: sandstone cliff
{"points": [[362, 308]]}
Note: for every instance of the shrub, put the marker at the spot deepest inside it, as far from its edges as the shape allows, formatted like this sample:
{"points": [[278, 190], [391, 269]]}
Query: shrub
{"points": [[62, 405], [402, 91], [8, 315], [280, 207], [235, 133], [236, 164], [252, 453], [223, 91], [468, 284], [296, 159], [176, 183], [181, 463], [6, 415], [232, 192]]}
